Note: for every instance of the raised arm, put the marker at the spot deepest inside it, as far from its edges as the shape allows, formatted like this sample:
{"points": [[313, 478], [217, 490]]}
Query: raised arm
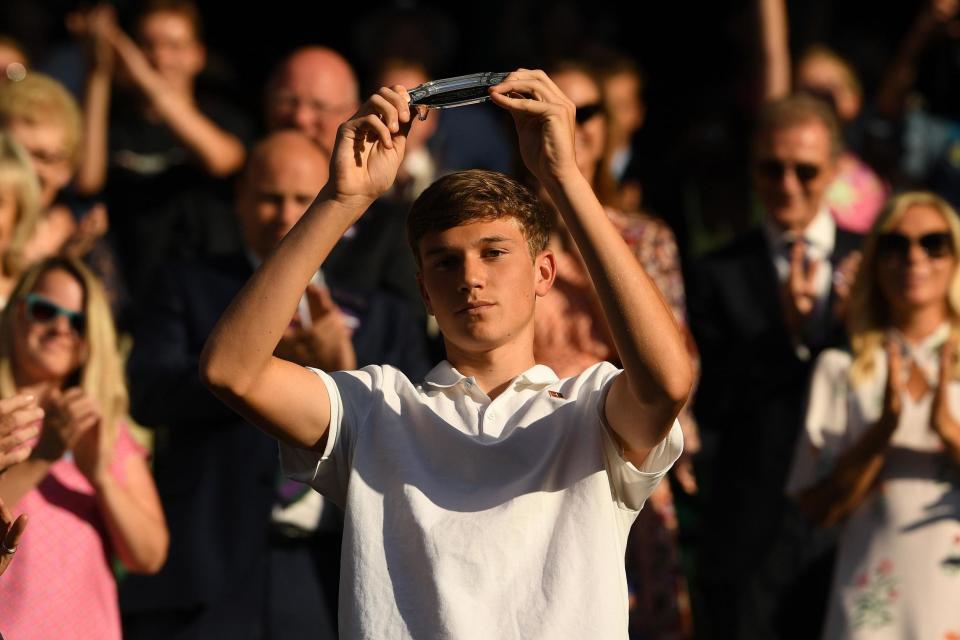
{"points": [[643, 402], [94, 26], [774, 49], [902, 72], [856, 469], [283, 399], [220, 152]]}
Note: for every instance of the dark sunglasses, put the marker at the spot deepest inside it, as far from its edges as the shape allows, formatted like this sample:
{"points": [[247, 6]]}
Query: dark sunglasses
{"points": [[39, 309], [775, 170], [935, 245], [587, 112]]}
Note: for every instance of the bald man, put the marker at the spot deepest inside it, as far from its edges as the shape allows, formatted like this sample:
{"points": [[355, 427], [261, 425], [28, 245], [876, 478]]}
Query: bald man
{"points": [[313, 90], [249, 557]]}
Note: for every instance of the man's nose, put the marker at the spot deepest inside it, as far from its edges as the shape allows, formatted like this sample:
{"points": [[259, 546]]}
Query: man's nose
{"points": [[474, 275], [303, 116]]}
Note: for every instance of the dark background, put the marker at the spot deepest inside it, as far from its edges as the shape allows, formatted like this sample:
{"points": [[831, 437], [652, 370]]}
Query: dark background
{"points": [[700, 61]]}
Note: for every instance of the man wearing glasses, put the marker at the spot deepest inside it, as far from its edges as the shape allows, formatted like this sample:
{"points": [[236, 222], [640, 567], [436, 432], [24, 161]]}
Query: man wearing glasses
{"points": [[762, 308]]}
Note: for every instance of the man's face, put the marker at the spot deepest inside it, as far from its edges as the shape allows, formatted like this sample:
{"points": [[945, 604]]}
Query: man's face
{"points": [[46, 142], [170, 43], [793, 169], [480, 282], [312, 99], [275, 194]]}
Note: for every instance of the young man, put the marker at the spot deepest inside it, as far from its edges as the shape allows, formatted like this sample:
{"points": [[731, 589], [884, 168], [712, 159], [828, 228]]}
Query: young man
{"points": [[493, 500]]}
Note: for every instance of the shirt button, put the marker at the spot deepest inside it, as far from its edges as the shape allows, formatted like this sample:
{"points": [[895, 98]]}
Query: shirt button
{"points": [[492, 416]]}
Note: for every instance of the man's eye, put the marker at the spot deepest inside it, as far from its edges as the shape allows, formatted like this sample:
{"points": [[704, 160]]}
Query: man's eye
{"points": [[494, 253]]}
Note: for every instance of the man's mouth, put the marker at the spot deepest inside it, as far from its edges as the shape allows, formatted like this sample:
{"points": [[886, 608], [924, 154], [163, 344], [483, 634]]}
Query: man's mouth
{"points": [[475, 306]]}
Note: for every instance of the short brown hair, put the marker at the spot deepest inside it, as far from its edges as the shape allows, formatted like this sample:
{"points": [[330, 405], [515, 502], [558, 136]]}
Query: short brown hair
{"points": [[799, 109], [476, 196]]}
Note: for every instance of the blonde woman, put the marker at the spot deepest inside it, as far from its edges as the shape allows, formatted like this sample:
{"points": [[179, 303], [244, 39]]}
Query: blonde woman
{"points": [[19, 211], [86, 487], [880, 454]]}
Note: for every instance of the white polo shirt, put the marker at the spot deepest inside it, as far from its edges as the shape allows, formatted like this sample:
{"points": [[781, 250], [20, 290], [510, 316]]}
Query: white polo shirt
{"points": [[471, 518]]}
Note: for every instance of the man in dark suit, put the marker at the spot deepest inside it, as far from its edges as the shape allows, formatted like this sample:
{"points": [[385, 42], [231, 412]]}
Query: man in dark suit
{"points": [[761, 309], [250, 557]]}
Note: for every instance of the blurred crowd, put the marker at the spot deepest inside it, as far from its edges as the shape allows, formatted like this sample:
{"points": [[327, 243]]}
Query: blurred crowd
{"points": [[807, 243]]}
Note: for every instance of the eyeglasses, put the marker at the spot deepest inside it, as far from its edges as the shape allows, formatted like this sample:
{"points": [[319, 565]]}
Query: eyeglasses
{"points": [[775, 170], [39, 309], [896, 245], [587, 112]]}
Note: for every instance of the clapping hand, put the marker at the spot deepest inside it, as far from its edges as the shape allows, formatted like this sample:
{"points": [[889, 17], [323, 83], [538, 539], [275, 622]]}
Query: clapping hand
{"points": [[800, 295], [325, 343], [843, 279], [941, 417], [73, 423], [892, 397], [20, 420]]}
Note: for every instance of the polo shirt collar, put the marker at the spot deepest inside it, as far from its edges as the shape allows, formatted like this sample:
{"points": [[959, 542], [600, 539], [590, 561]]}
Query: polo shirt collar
{"points": [[444, 376]]}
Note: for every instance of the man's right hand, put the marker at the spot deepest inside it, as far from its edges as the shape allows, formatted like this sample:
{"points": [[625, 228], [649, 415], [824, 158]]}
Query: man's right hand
{"points": [[370, 146]]}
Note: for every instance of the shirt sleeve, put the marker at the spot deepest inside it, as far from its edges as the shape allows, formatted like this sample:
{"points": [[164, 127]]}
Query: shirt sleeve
{"points": [[826, 422], [327, 471], [632, 485]]}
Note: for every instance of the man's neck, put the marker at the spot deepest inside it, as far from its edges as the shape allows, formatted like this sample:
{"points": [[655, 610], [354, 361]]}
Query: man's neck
{"points": [[493, 370]]}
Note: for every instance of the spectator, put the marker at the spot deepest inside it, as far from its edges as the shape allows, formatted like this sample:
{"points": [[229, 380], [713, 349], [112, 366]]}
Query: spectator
{"points": [[40, 115], [623, 85], [857, 193], [19, 211], [881, 447], [922, 123], [249, 558], [571, 335], [158, 151], [760, 309], [313, 91], [86, 485]]}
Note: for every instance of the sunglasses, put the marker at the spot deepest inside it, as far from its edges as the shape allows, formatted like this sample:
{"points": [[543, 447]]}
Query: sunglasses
{"points": [[39, 309], [897, 245], [587, 112], [775, 170]]}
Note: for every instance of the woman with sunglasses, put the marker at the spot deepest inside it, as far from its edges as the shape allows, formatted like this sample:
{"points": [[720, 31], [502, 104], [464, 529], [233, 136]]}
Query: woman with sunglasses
{"points": [[570, 335], [86, 487], [880, 454]]}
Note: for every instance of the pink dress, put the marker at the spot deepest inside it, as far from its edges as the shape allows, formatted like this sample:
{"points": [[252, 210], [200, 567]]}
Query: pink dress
{"points": [[61, 584]]}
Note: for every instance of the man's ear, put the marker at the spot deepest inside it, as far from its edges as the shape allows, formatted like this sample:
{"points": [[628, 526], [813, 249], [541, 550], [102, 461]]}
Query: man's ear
{"points": [[423, 293], [546, 266]]}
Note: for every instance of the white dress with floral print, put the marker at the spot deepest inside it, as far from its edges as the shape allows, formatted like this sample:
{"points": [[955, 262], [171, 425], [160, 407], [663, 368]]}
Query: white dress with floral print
{"points": [[897, 575]]}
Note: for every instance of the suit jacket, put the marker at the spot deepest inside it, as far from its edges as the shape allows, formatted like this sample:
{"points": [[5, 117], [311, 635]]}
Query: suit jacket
{"points": [[216, 474], [752, 394]]}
